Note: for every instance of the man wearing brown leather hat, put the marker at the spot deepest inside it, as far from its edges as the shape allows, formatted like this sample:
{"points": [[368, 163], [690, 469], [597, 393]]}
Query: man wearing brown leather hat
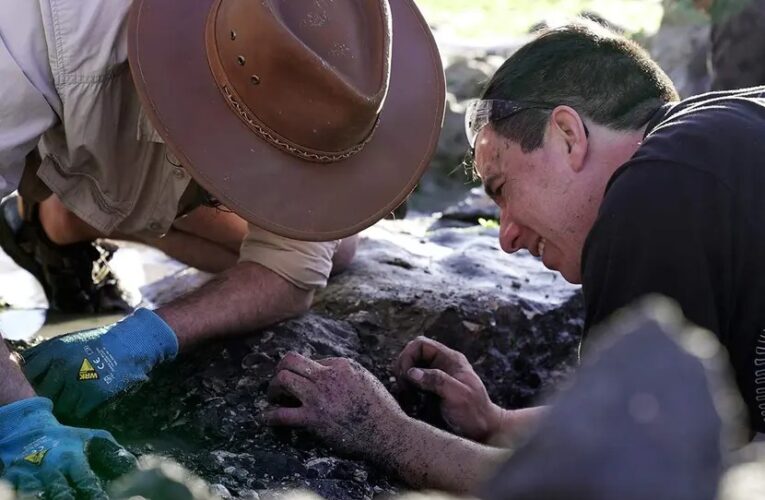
{"points": [[308, 120]]}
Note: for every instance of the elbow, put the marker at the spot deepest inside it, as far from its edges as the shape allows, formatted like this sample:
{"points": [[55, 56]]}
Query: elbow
{"points": [[303, 303], [297, 303], [344, 254]]}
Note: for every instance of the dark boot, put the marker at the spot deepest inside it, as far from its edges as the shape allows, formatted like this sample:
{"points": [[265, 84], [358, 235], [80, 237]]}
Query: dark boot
{"points": [[76, 278]]}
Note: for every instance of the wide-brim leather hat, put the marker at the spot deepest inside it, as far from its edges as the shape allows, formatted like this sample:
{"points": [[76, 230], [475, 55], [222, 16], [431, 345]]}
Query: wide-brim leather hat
{"points": [[311, 119]]}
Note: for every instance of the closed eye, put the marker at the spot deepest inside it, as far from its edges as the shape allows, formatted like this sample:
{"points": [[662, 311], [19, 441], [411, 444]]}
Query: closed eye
{"points": [[494, 192]]}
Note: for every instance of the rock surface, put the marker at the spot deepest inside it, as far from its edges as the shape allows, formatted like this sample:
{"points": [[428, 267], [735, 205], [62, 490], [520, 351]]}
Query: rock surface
{"points": [[516, 321], [650, 414]]}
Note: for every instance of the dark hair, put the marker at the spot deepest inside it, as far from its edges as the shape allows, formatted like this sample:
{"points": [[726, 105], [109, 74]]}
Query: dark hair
{"points": [[602, 75]]}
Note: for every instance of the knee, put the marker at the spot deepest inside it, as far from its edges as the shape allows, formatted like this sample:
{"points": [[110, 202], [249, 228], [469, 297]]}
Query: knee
{"points": [[344, 254], [61, 225]]}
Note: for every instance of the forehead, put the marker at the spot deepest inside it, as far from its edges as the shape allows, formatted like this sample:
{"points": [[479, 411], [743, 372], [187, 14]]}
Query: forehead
{"points": [[489, 148]]}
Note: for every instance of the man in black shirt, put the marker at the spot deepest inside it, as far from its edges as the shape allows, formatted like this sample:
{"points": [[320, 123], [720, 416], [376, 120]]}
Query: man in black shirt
{"points": [[685, 217], [598, 170]]}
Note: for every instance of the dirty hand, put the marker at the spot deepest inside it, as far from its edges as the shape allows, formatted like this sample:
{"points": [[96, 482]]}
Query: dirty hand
{"points": [[82, 370], [465, 404], [338, 400], [41, 457]]}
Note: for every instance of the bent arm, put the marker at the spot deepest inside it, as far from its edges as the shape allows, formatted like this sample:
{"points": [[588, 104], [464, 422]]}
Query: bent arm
{"points": [[242, 299], [274, 280], [13, 385]]}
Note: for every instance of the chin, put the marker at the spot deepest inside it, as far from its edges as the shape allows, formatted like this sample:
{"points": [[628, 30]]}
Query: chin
{"points": [[573, 276], [556, 261]]}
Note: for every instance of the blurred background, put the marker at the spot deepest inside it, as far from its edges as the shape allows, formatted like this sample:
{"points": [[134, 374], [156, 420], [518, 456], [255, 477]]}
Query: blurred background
{"points": [[475, 37], [490, 21]]}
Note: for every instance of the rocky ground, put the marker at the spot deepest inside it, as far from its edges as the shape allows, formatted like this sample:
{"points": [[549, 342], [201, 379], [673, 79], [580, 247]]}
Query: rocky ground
{"points": [[446, 278], [517, 322]]}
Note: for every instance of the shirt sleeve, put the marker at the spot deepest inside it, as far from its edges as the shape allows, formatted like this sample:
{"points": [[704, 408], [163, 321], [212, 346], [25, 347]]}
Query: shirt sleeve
{"points": [[24, 116], [305, 264], [667, 229]]}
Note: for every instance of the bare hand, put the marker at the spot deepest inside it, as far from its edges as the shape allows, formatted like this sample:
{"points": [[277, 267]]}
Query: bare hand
{"points": [[338, 400], [465, 404]]}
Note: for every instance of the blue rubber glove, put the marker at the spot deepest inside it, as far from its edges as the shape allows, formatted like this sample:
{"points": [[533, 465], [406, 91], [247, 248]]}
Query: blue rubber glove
{"points": [[82, 370], [39, 456]]}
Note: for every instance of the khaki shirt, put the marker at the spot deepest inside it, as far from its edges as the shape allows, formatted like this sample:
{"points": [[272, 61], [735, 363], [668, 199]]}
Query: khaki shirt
{"points": [[66, 88]]}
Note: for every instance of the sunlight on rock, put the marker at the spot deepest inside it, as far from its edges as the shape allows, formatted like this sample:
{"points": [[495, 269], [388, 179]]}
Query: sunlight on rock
{"points": [[743, 482]]}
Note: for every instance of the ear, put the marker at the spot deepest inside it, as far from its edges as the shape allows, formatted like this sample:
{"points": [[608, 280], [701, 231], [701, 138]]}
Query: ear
{"points": [[568, 126]]}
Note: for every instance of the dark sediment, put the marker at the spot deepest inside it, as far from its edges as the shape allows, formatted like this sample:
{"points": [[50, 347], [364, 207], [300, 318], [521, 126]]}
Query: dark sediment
{"points": [[518, 323]]}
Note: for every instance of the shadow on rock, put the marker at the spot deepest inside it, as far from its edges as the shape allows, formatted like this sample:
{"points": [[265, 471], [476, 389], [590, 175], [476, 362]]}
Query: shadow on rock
{"points": [[452, 284]]}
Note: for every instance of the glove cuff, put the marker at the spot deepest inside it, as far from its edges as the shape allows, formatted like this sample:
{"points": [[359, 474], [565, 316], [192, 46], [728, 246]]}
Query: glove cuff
{"points": [[151, 334], [13, 414]]}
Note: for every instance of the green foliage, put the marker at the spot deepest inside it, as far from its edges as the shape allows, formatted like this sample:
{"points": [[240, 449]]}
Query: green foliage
{"points": [[489, 20], [489, 223]]}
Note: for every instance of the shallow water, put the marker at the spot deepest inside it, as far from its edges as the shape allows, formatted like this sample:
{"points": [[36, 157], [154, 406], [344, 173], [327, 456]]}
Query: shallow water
{"points": [[27, 315]]}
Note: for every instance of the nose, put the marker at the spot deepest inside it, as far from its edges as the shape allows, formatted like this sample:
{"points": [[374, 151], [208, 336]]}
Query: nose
{"points": [[509, 234]]}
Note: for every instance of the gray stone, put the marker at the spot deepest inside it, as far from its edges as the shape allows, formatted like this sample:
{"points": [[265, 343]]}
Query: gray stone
{"points": [[518, 322], [648, 415]]}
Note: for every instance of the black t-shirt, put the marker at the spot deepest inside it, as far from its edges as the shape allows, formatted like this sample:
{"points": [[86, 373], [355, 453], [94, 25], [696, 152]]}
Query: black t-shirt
{"points": [[685, 217]]}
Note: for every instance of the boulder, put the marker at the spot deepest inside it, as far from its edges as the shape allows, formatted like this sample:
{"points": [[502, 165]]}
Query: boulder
{"points": [[517, 322], [649, 415]]}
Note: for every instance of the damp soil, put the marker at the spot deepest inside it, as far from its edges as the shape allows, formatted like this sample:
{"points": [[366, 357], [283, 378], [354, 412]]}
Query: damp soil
{"points": [[518, 323]]}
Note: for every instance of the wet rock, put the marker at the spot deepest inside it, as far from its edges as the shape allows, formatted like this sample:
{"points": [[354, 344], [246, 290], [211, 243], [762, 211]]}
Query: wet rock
{"points": [[453, 284], [648, 415]]}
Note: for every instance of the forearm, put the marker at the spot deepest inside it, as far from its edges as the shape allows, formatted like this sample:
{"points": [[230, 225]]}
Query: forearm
{"points": [[427, 457], [239, 300], [13, 385]]}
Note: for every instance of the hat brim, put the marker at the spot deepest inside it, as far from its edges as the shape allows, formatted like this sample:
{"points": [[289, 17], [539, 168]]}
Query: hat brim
{"points": [[266, 186]]}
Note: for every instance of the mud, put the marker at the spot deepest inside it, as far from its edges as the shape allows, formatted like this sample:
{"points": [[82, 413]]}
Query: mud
{"points": [[517, 322]]}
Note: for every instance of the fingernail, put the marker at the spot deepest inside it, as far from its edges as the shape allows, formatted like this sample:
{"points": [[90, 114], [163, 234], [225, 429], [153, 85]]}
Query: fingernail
{"points": [[415, 374]]}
